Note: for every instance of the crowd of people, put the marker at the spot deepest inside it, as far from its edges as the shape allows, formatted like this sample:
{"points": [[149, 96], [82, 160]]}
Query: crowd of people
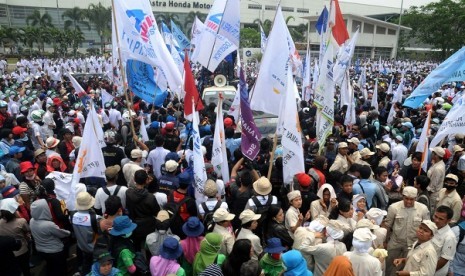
{"points": [[363, 206]]}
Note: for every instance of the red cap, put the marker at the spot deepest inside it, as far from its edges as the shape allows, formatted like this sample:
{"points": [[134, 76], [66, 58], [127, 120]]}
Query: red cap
{"points": [[56, 101], [228, 122], [304, 179], [169, 126], [77, 121], [25, 166], [17, 130]]}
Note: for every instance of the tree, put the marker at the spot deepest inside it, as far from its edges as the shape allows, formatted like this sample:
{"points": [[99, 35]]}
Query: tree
{"points": [[77, 39], [76, 17], [28, 36], [267, 24], [9, 37], [438, 24], [167, 18], [250, 38], [39, 20], [100, 17]]}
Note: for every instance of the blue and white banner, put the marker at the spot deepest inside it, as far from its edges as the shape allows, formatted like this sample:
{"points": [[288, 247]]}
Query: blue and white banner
{"points": [[139, 39], [263, 40], [451, 68], [141, 81], [180, 37]]}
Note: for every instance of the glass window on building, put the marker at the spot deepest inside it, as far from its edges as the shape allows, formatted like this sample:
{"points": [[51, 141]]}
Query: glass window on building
{"points": [[383, 52], [270, 8], [368, 28], [3, 12], [287, 9], [362, 52], [380, 30], [255, 7], [355, 25], [391, 32], [303, 10]]}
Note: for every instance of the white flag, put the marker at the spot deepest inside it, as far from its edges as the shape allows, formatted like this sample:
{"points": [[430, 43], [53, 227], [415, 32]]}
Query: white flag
{"points": [[76, 85], [453, 123], [306, 81], [115, 74], [397, 98], [270, 85], [143, 129], [344, 59], [316, 74], [346, 96], [63, 183], [350, 118], [235, 107], [422, 145], [374, 99], [220, 36], [106, 97], [291, 140], [90, 162], [140, 39], [200, 174], [263, 40], [219, 154]]}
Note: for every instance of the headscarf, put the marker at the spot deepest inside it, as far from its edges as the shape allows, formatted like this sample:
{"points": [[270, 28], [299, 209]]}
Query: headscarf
{"points": [[160, 266], [326, 186], [190, 247], [49, 163], [209, 248], [295, 264], [340, 266], [96, 270], [356, 199]]}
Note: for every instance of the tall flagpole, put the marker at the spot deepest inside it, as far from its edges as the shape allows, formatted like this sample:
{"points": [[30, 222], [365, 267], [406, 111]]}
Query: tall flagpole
{"points": [[123, 73]]}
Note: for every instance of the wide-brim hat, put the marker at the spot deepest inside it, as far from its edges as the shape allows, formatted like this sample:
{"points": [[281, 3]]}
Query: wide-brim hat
{"points": [[274, 246], [52, 142], [122, 225], [262, 186], [193, 227], [84, 201], [171, 249]]}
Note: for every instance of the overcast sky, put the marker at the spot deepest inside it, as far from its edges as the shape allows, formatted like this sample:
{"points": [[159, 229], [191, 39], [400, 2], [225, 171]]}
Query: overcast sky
{"points": [[392, 3]]}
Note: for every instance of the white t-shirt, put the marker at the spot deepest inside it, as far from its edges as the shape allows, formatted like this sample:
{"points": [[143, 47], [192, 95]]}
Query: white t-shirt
{"points": [[101, 196], [211, 203]]}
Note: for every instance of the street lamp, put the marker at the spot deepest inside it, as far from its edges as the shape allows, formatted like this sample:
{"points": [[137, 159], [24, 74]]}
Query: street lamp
{"points": [[261, 12]]}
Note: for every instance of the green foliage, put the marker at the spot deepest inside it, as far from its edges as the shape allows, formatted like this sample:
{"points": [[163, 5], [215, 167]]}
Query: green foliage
{"points": [[190, 19], [76, 17], [39, 20], [100, 17], [438, 24], [250, 38]]}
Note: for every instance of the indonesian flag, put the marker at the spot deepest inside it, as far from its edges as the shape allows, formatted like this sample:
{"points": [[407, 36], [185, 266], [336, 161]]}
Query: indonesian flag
{"points": [[191, 91], [337, 24]]}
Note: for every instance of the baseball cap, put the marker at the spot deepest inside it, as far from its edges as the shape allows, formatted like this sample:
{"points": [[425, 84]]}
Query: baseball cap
{"points": [[17, 130]]}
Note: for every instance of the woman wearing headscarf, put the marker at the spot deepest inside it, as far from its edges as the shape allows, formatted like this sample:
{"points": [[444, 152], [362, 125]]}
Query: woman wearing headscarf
{"points": [[340, 266], [166, 263], [362, 262], [193, 229], [359, 204], [294, 264], [326, 203], [208, 253], [325, 252], [343, 213], [55, 163]]}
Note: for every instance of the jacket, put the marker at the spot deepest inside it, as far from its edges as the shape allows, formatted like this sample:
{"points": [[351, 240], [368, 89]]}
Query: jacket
{"points": [[278, 230], [82, 226], [143, 208], [47, 235]]}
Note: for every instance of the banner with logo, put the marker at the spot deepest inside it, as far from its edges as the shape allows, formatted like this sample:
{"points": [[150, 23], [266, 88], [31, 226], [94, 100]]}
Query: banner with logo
{"points": [[251, 136]]}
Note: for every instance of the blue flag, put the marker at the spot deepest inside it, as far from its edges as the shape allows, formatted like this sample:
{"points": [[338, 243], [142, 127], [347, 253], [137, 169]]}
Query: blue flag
{"points": [[322, 21], [141, 81], [447, 70], [182, 40], [170, 40]]}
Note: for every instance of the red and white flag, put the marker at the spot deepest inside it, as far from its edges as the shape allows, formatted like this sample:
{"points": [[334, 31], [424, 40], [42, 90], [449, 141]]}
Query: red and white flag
{"points": [[190, 91]]}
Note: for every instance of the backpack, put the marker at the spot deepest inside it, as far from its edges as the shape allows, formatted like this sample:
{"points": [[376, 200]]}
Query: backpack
{"points": [[208, 216], [154, 241], [93, 223], [64, 210], [115, 193], [262, 209], [142, 268]]}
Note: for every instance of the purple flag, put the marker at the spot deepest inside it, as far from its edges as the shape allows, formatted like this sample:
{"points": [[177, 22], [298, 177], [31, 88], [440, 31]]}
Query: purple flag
{"points": [[250, 145]]}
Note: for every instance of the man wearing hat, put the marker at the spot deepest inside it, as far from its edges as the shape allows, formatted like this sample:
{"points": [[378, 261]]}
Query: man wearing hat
{"points": [[445, 241], [111, 188], [212, 204], [353, 149], [49, 122], [169, 182], [85, 226], [249, 222], [103, 264], [342, 162], [399, 151], [262, 198], [166, 263], [129, 169], [449, 197], [403, 218], [122, 248], [365, 156], [222, 219], [422, 257], [294, 218], [363, 263], [436, 174], [12, 166], [157, 156], [383, 154], [306, 187]]}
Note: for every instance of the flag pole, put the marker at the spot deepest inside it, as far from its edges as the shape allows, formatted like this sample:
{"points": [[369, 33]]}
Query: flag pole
{"points": [[217, 31], [123, 73], [275, 144]]}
